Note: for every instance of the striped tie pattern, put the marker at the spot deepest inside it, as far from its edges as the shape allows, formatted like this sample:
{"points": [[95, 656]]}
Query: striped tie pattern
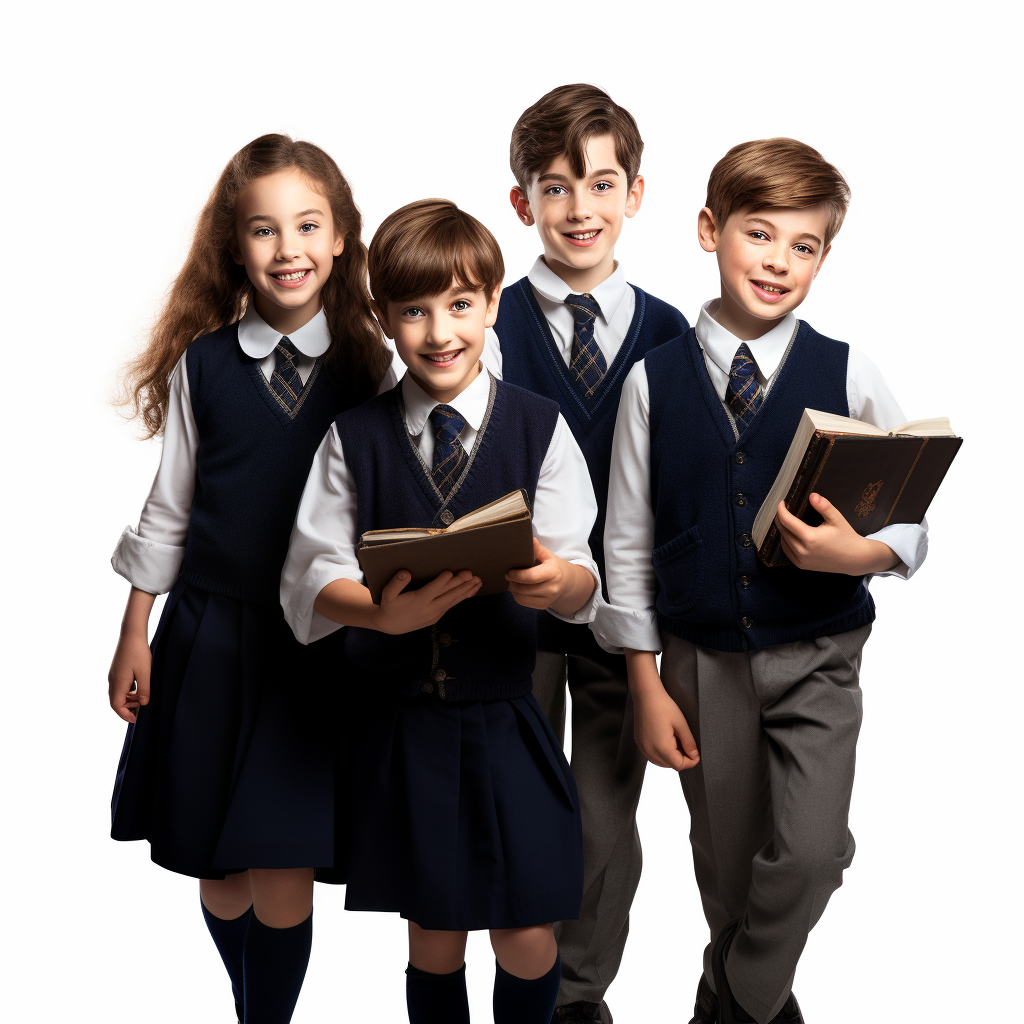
{"points": [[586, 361], [285, 381], [744, 393], [449, 455]]}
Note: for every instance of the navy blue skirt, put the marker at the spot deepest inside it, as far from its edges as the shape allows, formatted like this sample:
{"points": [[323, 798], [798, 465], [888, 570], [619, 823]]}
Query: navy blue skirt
{"points": [[230, 765], [465, 815]]}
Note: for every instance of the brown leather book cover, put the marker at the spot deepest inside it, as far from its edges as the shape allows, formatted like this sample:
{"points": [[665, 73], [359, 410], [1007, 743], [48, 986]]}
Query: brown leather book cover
{"points": [[488, 551], [872, 481]]}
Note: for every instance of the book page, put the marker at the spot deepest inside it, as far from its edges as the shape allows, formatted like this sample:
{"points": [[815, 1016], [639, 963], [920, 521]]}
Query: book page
{"points": [[938, 427], [510, 506]]}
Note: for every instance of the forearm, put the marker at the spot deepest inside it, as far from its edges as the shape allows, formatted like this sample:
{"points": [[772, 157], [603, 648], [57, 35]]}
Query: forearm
{"points": [[876, 556], [642, 674], [349, 603], [578, 588], [135, 621]]}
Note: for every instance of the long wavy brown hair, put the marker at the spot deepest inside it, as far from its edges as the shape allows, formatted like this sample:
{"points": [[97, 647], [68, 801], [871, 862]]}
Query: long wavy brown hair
{"points": [[212, 291]]}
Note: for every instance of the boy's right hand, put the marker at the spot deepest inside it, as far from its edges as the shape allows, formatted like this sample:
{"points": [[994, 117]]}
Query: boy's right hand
{"points": [[403, 611], [659, 726], [128, 678]]}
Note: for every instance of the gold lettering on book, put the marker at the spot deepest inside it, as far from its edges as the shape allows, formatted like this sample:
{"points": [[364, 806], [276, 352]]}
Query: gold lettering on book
{"points": [[866, 505]]}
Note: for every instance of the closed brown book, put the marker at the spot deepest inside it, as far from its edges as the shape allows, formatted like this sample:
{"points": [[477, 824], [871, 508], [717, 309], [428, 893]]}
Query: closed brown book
{"points": [[488, 542], [872, 476]]}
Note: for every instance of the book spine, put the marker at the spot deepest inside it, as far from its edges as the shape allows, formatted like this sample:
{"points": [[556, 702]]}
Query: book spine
{"points": [[797, 500]]}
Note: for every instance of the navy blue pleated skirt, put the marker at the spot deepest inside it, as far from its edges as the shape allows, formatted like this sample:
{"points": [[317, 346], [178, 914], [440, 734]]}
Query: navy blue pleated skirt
{"points": [[465, 815], [231, 764]]}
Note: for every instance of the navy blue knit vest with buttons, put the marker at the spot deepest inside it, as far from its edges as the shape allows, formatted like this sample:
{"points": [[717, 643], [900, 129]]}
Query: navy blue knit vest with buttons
{"points": [[483, 648], [707, 486], [531, 359], [252, 463]]}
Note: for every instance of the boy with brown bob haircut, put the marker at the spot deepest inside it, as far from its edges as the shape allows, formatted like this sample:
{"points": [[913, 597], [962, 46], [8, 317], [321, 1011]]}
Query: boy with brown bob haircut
{"points": [[760, 667], [571, 330]]}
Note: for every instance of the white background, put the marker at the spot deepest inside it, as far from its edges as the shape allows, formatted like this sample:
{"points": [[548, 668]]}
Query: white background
{"points": [[117, 121]]}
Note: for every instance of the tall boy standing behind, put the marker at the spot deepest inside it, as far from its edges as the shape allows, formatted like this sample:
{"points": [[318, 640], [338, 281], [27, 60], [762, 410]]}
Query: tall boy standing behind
{"points": [[760, 667], [571, 330]]}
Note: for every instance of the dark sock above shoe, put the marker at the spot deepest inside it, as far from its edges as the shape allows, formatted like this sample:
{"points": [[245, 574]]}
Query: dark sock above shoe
{"points": [[229, 938], [436, 998], [275, 962], [523, 1001]]}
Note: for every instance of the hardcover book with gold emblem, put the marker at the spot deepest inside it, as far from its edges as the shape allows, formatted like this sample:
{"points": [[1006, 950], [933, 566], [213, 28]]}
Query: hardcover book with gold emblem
{"points": [[872, 476]]}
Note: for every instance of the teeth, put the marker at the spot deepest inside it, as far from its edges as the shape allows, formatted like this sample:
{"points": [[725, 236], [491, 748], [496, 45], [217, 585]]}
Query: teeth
{"points": [[769, 288], [443, 359], [582, 236], [296, 275]]}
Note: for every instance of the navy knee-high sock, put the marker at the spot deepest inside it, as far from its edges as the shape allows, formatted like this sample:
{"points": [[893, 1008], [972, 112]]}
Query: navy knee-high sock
{"points": [[275, 961], [436, 998], [518, 1001], [229, 938]]}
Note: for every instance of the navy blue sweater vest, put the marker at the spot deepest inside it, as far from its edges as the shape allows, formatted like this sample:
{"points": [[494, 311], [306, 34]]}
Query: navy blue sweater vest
{"points": [[251, 466], [483, 648], [530, 358], [707, 486]]}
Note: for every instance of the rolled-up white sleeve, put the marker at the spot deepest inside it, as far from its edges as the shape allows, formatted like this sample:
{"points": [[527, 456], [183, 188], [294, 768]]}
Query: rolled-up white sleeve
{"points": [[628, 618], [150, 556], [565, 509], [323, 542], [871, 400]]}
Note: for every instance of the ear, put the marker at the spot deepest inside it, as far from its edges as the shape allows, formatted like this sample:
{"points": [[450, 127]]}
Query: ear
{"points": [[521, 205], [828, 249], [235, 250], [491, 315], [382, 319], [707, 230], [339, 245], [635, 197]]}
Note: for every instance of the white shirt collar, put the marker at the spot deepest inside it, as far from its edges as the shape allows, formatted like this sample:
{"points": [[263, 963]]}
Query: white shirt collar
{"points": [[721, 344], [608, 294], [258, 339], [471, 404]]}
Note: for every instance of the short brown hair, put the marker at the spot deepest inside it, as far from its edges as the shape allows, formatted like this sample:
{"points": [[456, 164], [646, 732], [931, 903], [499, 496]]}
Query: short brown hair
{"points": [[564, 121], [419, 250], [774, 173]]}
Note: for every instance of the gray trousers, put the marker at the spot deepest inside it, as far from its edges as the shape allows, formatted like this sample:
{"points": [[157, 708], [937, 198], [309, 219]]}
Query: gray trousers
{"points": [[770, 799], [609, 770]]}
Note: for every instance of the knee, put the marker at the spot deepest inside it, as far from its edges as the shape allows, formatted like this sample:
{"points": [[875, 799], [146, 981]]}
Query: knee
{"points": [[822, 864], [525, 952], [226, 898]]}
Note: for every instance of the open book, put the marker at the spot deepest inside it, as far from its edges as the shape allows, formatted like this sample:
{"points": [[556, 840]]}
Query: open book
{"points": [[488, 541], [874, 477]]}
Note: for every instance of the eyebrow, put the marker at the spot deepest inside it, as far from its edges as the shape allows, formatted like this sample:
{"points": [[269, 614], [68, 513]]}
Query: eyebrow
{"points": [[606, 172], [768, 223], [266, 216]]}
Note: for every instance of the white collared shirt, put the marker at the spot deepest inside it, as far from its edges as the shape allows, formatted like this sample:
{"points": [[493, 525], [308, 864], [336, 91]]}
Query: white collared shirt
{"points": [[150, 556], [629, 618], [324, 539]]}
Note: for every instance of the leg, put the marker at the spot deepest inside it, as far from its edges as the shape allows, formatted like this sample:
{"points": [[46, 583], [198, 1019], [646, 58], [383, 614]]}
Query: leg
{"points": [[609, 771], [226, 909], [527, 974], [435, 983], [811, 704], [277, 942]]}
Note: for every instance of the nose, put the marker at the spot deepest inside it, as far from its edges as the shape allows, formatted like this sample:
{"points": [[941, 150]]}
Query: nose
{"points": [[439, 330], [776, 259], [580, 206], [288, 247]]}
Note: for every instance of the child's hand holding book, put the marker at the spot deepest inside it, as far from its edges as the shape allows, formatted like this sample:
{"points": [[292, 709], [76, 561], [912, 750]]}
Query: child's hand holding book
{"points": [[553, 583], [834, 546]]}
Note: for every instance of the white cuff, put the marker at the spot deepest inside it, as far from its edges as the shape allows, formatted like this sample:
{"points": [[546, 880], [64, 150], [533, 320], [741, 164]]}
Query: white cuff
{"points": [[909, 543], [586, 613], [309, 625], [145, 564], [616, 627]]}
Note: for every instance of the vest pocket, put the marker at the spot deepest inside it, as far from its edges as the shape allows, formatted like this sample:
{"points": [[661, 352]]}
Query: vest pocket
{"points": [[679, 566]]}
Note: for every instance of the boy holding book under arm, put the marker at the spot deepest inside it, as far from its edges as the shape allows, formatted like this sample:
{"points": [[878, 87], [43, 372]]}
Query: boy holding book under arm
{"points": [[760, 666]]}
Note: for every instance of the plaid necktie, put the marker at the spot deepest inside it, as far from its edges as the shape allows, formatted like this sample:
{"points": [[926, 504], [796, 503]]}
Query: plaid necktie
{"points": [[285, 381], [586, 362], [449, 455], [744, 394]]}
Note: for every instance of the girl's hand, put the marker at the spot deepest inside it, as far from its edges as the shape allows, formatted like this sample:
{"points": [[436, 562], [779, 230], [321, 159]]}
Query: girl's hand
{"points": [[834, 546], [553, 582], [403, 612], [128, 677]]}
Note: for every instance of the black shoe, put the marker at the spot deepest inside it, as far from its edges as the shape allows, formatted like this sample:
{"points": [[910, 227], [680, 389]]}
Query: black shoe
{"points": [[580, 1013], [790, 1012], [729, 1011], [705, 1007]]}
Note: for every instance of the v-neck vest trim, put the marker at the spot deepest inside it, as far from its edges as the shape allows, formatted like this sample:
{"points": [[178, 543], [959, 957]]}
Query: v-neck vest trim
{"points": [[275, 402]]}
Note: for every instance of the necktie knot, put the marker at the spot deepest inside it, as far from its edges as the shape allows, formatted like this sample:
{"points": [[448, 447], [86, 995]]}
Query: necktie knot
{"points": [[587, 363], [585, 308], [447, 422]]}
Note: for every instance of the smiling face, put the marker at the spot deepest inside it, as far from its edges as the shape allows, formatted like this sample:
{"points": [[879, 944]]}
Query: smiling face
{"points": [[767, 260], [287, 241], [441, 337], [580, 219]]}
